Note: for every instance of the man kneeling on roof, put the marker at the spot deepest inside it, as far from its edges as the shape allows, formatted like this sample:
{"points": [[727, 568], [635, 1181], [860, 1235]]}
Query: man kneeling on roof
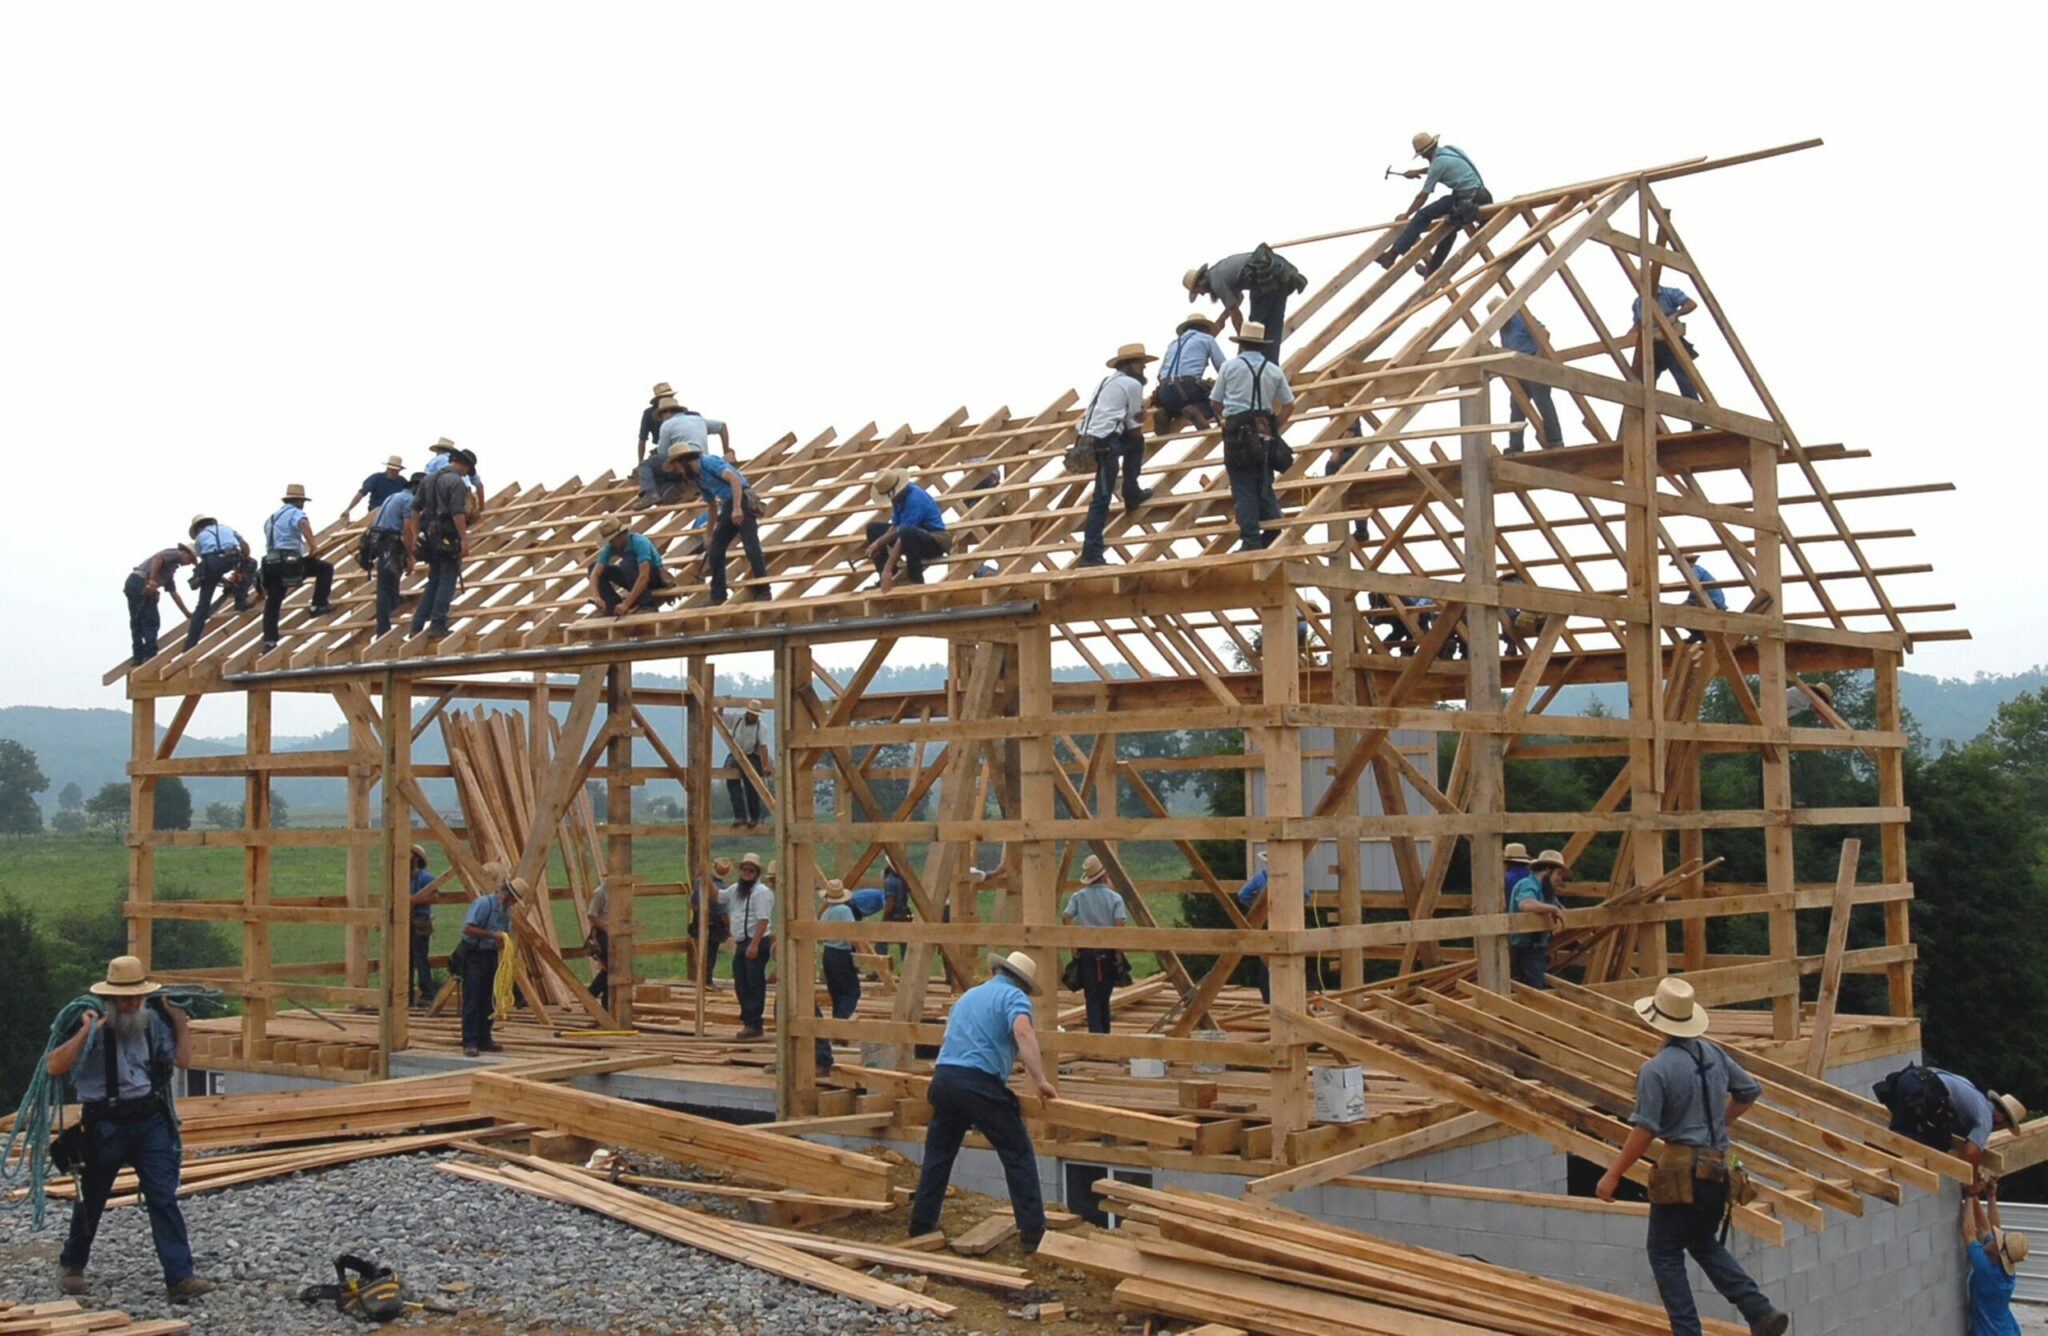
{"points": [[987, 1031], [1689, 1096], [1183, 392], [913, 535], [626, 575]]}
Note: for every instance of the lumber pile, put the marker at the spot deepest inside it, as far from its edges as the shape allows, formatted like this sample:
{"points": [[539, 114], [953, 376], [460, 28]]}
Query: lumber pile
{"points": [[64, 1317], [1263, 1268]]}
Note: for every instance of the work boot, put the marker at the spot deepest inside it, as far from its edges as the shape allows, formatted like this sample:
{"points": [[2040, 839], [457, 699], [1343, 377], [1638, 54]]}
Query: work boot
{"points": [[1773, 1324], [71, 1280], [750, 1032], [191, 1287], [469, 1050], [319, 609], [1132, 500], [1093, 561], [269, 645], [492, 1046], [1029, 1242]]}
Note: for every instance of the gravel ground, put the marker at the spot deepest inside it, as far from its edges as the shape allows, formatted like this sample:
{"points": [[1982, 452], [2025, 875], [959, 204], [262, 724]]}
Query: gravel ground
{"points": [[533, 1266]]}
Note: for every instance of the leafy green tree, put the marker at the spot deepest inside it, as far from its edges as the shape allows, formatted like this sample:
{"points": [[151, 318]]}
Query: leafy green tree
{"points": [[70, 798], [173, 804], [36, 990], [68, 823], [20, 781], [96, 935], [224, 816], [109, 807], [280, 812]]}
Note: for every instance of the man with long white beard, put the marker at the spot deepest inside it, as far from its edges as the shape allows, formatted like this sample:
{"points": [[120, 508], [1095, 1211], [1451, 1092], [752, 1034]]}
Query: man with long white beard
{"points": [[119, 1059]]}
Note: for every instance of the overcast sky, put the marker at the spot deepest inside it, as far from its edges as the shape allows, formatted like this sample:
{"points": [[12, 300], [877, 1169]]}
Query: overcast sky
{"points": [[247, 245]]}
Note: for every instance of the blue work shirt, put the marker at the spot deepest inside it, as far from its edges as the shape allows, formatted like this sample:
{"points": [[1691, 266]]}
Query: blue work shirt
{"points": [[839, 913], [638, 550], [979, 1033], [895, 890], [1668, 301], [393, 512], [489, 913], [692, 427], [1717, 597], [716, 479], [1451, 169], [869, 901], [1249, 893], [1194, 352], [1990, 1292], [281, 530], [1249, 383], [1513, 878], [381, 487], [1516, 338], [913, 508], [440, 461], [1973, 1110], [422, 915], [1530, 887], [131, 1059], [1668, 1093], [217, 538]]}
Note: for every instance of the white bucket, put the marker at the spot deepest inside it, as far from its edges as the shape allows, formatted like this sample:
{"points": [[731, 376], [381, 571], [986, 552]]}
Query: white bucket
{"points": [[1148, 1069], [1340, 1094]]}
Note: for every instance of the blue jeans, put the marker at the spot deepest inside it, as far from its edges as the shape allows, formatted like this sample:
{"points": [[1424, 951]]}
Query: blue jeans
{"points": [[963, 1098], [722, 534], [444, 572], [1546, 408], [144, 620], [151, 1150], [1121, 459], [1678, 1230], [1447, 205], [1251, 492], [1530, 965], [1663, 360]]}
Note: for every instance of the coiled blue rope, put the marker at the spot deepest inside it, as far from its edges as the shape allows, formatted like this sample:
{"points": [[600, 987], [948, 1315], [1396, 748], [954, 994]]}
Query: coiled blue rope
{"points": [[26, 1152]]}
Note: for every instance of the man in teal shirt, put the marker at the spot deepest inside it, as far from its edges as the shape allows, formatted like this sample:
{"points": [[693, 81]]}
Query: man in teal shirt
{"points": [[1529, 952], [626, 575], [1451, 168], [1995, 1254]]}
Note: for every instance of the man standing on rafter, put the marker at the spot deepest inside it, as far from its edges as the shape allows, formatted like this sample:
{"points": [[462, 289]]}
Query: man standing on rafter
{"points": [[1451, 168], [1254, 400], [1267, 277], [650, 418], [1675, 305], [1518, 335], [1114, 424]]}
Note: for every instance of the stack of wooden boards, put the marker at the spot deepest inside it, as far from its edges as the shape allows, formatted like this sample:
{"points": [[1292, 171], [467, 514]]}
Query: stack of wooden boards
{"points": [[1262, 1268], [63, 1317]]}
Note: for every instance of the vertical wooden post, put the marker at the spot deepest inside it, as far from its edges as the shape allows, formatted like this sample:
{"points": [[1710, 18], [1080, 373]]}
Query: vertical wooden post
{"points": [[1482, 692], [1280, 752], [256, 1011], [1034, 861], [1344, 622], [1779, 868], [796, 989], [141, 823], [1692, 848], [697, 811], [1645, 650], [356, 865], [618, 840], [1891, 792], [395, 870]]}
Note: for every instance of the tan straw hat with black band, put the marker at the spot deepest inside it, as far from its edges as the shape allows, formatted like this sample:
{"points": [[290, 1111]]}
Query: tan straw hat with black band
{"points": [[835, 892], [1019, 967], [1673, 1009], [125, 978], [1516, 852], [1130, 352]]}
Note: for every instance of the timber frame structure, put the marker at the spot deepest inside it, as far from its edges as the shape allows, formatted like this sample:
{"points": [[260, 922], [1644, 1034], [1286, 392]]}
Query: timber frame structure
{"points": [[1396, 439]]}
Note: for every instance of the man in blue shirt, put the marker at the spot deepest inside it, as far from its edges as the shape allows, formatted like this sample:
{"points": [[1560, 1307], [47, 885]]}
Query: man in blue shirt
{"points": [[380, 487], [1518, 335], [1183, 391], [627, 574], [1096, 905], [1675, 305], [1939, 1109], [484, 930], [388, 545], [1995, 1254], [842, 980], [689, 427], [289, 556], [223, 560], [1536, 893], [988, 1030], [121, 1059], [1715, 595], [730, 508], [1254, 400], [914, 534], [1451, 168], [422, 902], [156, 573]]}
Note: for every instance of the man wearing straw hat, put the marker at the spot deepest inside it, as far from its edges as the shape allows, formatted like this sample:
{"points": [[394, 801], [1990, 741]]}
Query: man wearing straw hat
{"points": [[118, 1059], [987, 1031], [1688, 1095], [1451, 168], [1096, 905], [842, 980], [914, 534], [749, 741], [1536, 893], [731, 508], [626, 575], [289, 556], [441, 518], [749, 905], [223, 560], [156, 573], [1254, 400], [650, 417], [421, 900], [380, 487], [1995, 1254], [1265, 276], [1113, 425], [484, 930], [1183, 391], [387, 547]]}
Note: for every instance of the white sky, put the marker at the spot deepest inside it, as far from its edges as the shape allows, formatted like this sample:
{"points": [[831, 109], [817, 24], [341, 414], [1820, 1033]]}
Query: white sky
{"points": [[245, 245]]}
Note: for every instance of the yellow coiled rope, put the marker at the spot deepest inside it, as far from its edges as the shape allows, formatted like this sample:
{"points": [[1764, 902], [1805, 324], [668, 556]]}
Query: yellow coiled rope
{"points": [[508, 973]]}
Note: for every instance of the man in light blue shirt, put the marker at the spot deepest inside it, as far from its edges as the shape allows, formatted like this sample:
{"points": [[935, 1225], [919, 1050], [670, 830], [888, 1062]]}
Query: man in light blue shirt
{"points": [[988, 1030], [627, 572], [1182, 390], [224, 559], [1715, 595], [1451, 168], [690, 427], [1254, 400], [1518, 335], [1114, 421], [1675, 305], [484, 927], [1096, 905], [913, 535], [842, 980], [387, 546], [289, 556]]}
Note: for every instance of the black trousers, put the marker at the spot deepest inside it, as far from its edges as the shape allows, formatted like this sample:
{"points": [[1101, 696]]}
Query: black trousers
{"points": [[918, 545], [422, 962], [964, 1098], [479, 973], [749, 531], [1270, 310], [1530, 965], [601, 958], [747, 807], [1098, 981], [274, 590], [212, 572], [143, 619], [842, 982], [750, 981]]}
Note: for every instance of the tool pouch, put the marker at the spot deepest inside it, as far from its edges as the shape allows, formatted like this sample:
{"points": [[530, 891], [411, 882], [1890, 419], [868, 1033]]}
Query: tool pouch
{"points": [[1671, 1177]]}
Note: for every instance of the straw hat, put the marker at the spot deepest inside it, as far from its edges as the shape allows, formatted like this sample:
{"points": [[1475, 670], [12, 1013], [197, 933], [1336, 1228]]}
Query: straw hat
{"points": [[2015, 1112], [721, 867], [1018, 966], [1549, 858], [1194, 276], [1424, 141], [294, 492], [1130, 352], [517, 886], [1195, 320], [1091, 868], [612, 527], [189, 550], [888, 482], [666, 403], [1516, 852], [754, 707], [419, 853], [661, 387], [125, 978], [835, 892], [394, 461], [751, 860], [1822, 690], [2012, 1248], [199, 521], [684, 450], [441, 447], [768, 873], [1253, 332], [1673, 1009]]}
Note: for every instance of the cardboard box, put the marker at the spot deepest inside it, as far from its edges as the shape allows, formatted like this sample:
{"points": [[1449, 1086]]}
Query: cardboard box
{"points": [[1340, 1094]]}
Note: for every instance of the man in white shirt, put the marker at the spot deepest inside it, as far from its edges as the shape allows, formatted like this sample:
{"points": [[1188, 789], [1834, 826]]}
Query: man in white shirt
{"points": [[1112, 423], [747, 808], [749, 905], [1254, 400]]}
